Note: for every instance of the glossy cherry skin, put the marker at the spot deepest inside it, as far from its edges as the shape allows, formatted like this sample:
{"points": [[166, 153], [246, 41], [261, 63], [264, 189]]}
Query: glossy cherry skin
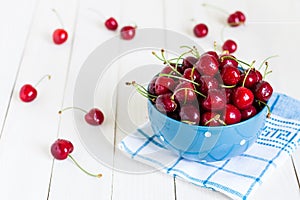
{"points": [[210, 119], [242, 98], [189, 114], [263, 91], [233, 20], [250, 80], [94, 117], [189, 62], [200, 30], [192, 74], [27, 93], [232, 115], [165, 104], [207, 83], [61, 148], [207, 65], [169, 70], [184, 92], [248, 112], [214, 101], [213, 53], [59, 36], [227, 59], [111, 24], [127, 32], [230, 46], [230, 75], [241, 16], [164, 85]]}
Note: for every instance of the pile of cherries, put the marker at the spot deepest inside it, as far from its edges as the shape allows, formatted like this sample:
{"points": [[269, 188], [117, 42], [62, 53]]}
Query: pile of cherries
{"points": [[208, 89]]}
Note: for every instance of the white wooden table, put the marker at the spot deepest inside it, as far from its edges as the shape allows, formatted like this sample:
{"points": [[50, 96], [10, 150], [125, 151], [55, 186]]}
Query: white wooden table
{"points": [[27, 169]]}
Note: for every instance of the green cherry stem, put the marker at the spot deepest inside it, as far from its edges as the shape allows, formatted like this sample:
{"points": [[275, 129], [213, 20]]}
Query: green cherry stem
{"points": [[180, 78], [88, 173], [265, 60], [268, 107], [46, 76], [70, 108], [266, 72], [227, 86], [247, 73], [217, 118], [142, 90], [237, 60]]}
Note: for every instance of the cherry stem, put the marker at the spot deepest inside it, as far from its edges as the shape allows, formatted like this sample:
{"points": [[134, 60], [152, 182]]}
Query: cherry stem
{"points": [[268, 107], [247, 73], [216, 118], [265, 60], [186, 92], [215, 46], [69, 108], [98, 13], [181, 57], [180, 78], [165, 61], [215, 7], [58, 17], [46, 76], [266, 72], [88, 173], [227, 86], [193, 50], [188, 122], [237, 60], [142, 90]]}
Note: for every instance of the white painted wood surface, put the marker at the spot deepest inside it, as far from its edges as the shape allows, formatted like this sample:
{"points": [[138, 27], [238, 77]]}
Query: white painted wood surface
{"points": [[27, 169]]}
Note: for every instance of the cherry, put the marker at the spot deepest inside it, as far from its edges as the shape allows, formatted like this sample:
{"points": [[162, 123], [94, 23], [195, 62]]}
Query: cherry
{"points": [[241, 16], [233, 20], [59, 35], [210, 119], [169, 70], [192, 74], [230, 46], [242, 97], [229, 92], [28, 92], [200, 30], [207, 83], [128, 32], [189, 62], [248, 112], [190, 114], [207, 65], [232, 114], [212, 53], [151, 86], [230, 75], [215, 100], [164, 85], [165, 104], [111, 24], [184, 92], [251, 79], [61, 149], [263, 91], [227, 59], [94, 117]]}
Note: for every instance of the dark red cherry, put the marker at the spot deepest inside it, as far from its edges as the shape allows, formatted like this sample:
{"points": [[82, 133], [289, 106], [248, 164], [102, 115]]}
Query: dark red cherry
{"points": [[229, 93], [207, 65], [94, 117], [230, 46], [248, 112], [189, 62], [241, 16], [232, 115], [111, 24], [207, 83], [127, 32], [212, 53], [164, 85], [210, 119], [165, 104], [250, 80], [263, 91], [61, 148], [192, 74], [174, 115], [234, 20], [27, 93], [215, 100], [184, 92], [190, 114], [151, 86], [242, 98], [59, 36], [200, 30], [227, 59], [259, 75], [230, 75]]}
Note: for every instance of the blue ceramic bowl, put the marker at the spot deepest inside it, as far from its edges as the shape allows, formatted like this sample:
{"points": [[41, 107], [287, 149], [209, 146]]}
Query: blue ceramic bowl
{"points": [[203, 143]]}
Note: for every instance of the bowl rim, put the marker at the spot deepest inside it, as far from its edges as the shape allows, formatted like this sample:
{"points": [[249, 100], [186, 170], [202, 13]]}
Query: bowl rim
{"points": [[211, 127]]}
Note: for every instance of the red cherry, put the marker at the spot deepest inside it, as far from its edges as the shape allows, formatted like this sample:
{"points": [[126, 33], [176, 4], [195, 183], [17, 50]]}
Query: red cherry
{"points": [[230, 46], [59, 36], [242, 98], [250, 80], [241, 16], [189, 62], [127, 32], [212, 53], [169, 70], [207, 65], [164, 85], [165, 104], [94, 117], [210, 119], [207, 83], [215, 100], [200, 30], [227, 59], [111, 24], [61, 148], [233, 20], [190, 114], [230, 75], [151, 86], [192, 74], [232, 114], [184, 92], [263, 91], [27, 93], [248, 112]]}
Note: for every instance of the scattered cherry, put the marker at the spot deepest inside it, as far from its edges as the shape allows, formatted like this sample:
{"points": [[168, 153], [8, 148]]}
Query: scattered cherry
{"points": [[127, 32], [28, 92], [230, 46], [111, 24], [61, 149], [235, 19], [200, 30], [94, 117], [59, 35]]}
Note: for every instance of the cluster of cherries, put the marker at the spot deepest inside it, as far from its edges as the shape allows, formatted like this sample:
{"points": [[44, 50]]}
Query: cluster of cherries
{"points": [[234, 19], [208, 89]]}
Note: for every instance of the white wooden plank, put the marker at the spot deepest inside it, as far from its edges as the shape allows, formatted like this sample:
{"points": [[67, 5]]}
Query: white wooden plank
{"points": [[30, 129], [16, 21]]}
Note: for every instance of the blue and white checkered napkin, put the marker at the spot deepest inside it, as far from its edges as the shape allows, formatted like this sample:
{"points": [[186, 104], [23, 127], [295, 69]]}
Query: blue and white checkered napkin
{"points": [[239, 176]]}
